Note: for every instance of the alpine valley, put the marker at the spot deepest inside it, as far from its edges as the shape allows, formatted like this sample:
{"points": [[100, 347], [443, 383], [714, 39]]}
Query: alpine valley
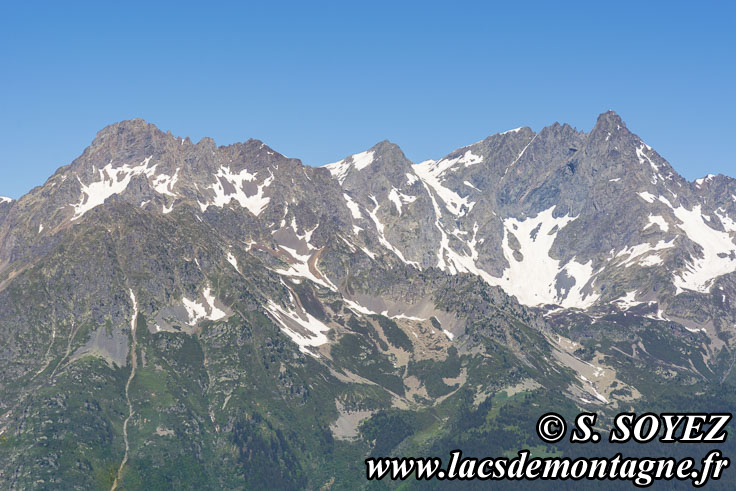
{"points": [[182, 315]]}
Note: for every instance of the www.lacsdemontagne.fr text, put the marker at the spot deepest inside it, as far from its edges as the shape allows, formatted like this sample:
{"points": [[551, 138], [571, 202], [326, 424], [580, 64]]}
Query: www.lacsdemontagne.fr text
{"points": [[642, 472]]}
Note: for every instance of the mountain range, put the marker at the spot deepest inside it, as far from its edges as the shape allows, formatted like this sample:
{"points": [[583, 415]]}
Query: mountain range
{"points": [[180, 314]]}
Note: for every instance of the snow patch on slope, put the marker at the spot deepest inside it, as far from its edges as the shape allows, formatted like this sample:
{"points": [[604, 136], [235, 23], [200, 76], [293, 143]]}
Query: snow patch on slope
{"points": [[232, 260], [643, 253], [382, 237], [652, 260], [447, 258], [717, 255], [398, 199], [360, 309], [523, 150], [574, 297], [198, 311], [729, 224], [440, 167], [648, 197], [430, 172], [112, 181], [644, 159], [659, 222], [303, 328], [703, 180], [515, 130], [254, 203], [353, 207], [359, 161], [628, 300], [306, 236], [305, 266], [533, 279], [164, 184], [135, 310]]}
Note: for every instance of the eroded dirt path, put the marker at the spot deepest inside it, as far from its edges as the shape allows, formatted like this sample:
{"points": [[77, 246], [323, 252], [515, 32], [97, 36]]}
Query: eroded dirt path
{"points": [[133, 364]]}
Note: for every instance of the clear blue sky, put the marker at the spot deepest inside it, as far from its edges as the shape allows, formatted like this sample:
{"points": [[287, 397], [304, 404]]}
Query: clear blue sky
{"points": [[319, 81]]}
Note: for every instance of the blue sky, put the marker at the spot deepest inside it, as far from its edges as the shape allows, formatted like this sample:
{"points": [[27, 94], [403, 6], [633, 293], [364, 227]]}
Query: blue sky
{"points": [[321, 80]]}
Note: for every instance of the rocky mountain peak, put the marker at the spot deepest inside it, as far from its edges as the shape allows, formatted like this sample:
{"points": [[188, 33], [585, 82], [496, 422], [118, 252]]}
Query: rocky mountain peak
{"points": [[383, 161], [609, 129], [127, 131], [385, 145], [388, 156], [207, 143], [609, 120], [124, 143]]}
